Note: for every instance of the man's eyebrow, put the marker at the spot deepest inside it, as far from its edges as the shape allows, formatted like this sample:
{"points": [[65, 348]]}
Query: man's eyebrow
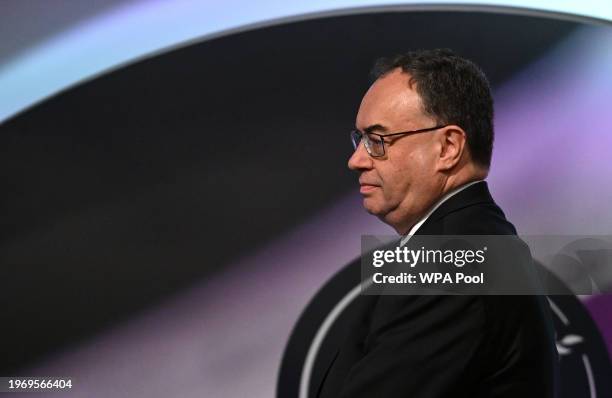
{"points": [[374, 127]]}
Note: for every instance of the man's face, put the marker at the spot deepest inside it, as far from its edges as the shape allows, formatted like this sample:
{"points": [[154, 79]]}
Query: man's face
{"points": [[400, 186]]}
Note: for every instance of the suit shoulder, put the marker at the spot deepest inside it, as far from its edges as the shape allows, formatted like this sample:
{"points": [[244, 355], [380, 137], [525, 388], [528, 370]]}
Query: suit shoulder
{"points": [[479, 219]]}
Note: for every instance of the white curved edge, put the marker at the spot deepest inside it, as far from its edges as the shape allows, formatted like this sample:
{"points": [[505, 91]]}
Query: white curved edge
{"points": [[589, 373], [558, 312], [141, 29], [322, 332]]}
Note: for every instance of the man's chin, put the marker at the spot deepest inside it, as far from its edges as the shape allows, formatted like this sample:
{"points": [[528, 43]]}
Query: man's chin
{"points": [[373, 208], [384, 213]]}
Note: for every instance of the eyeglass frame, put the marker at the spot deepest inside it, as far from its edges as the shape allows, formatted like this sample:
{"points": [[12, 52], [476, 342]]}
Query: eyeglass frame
{"points": [[381, 136]]}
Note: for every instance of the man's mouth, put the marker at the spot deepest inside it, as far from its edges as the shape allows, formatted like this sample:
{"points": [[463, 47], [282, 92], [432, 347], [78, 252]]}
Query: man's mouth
{"points": [[366, 188]]}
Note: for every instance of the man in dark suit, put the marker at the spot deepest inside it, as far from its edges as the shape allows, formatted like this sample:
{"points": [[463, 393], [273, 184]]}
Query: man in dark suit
{"points": [[423, 144]]}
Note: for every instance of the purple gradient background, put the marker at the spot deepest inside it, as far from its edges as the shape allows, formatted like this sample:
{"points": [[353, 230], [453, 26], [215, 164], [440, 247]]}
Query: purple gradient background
{"points": [[561, 182], [225, 338]]}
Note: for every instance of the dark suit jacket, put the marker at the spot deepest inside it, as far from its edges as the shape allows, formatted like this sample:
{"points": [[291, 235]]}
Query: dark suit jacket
{"points": [[448, 346]]}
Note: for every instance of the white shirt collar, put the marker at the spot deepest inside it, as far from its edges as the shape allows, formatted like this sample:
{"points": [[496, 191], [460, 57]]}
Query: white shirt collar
{"points": [[444, 198]]}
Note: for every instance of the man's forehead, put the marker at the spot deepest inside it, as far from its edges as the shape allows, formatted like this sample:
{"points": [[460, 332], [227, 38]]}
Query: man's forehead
{"points": [[391, 101]]}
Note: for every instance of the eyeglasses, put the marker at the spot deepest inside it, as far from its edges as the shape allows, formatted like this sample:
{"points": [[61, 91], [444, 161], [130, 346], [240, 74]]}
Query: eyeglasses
{"points": [[375, 143]]}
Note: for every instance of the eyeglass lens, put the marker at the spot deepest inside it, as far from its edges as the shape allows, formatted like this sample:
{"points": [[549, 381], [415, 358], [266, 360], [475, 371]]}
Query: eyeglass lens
{"points": [[374, 145]]}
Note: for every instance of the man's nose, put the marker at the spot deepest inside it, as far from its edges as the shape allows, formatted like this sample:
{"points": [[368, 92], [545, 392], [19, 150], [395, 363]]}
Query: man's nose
{"points": [[360, 159]]}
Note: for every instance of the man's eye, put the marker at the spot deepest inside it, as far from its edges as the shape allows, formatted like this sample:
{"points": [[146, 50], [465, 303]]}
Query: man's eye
{"points": [[373, 137]]}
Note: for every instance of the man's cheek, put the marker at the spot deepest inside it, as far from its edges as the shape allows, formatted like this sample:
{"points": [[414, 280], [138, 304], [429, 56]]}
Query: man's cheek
{"points": [[386, 193]]}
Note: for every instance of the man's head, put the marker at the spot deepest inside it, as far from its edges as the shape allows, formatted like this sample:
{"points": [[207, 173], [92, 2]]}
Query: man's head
{"points": [[415, 91]]}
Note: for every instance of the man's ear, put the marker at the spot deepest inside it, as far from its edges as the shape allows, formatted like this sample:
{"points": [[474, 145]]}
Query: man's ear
{"points": [[453, 143]]}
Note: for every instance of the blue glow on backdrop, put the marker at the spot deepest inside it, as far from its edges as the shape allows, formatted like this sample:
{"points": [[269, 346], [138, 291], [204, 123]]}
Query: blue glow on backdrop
{"points": [[134, 30]]}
